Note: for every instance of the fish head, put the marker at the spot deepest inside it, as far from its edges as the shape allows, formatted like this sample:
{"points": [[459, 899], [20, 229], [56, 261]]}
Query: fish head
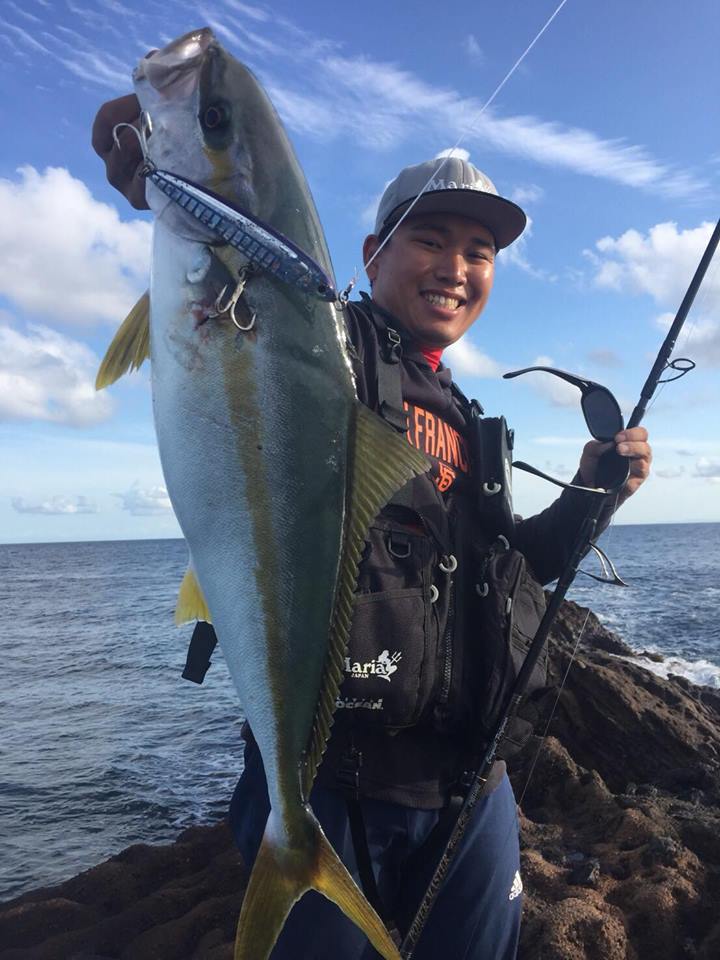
{"points": [[192, 94]]}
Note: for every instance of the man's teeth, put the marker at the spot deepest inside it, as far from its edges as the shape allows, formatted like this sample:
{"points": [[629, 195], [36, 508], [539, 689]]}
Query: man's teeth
{"points": [[451, 303]]}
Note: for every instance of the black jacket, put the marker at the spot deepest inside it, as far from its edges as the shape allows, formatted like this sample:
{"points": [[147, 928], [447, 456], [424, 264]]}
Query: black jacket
{"points": [[419, 668]]}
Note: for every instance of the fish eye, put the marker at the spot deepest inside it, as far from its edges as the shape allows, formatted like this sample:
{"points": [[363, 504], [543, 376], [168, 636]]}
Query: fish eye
{"points": [[214, 116]]}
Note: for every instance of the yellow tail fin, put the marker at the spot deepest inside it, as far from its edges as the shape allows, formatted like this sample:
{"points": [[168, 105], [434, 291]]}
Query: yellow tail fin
{"points": [[280, 878]]}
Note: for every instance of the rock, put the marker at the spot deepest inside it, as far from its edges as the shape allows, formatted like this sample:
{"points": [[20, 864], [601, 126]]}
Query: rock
{"points": [[629, 776], [175, 902], [665, 850], [585, 874]]}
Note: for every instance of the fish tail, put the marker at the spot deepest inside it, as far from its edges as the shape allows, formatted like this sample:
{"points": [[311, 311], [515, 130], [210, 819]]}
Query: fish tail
{"points": [[277, 882]]}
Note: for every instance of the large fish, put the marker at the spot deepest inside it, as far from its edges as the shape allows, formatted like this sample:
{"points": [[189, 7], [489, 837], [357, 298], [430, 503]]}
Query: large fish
{"points": [[274, 469]]}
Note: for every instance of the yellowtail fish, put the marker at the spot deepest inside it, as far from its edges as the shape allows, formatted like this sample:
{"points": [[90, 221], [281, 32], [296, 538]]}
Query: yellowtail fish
{"points": [[273, 467]]}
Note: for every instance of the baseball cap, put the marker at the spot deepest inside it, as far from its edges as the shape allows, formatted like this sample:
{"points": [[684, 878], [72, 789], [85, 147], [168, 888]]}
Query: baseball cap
{"points": [[453, 186]]}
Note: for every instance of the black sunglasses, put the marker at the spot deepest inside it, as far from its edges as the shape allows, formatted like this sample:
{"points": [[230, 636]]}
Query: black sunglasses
{"points": [[604, 420]]}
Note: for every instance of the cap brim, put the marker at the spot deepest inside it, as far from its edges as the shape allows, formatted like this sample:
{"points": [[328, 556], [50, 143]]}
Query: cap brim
{"points": [[503, 218]]}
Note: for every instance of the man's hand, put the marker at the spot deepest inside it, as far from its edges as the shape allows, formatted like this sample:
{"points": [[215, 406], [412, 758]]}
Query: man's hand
{"points": [[121, 163], [629, 443]]}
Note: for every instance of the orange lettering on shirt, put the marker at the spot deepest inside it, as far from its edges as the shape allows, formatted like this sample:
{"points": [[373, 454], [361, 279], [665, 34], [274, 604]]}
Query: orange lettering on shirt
{"points": [[452, 455], [445, 478], [419, 414], [441, 445], [430, 422]]}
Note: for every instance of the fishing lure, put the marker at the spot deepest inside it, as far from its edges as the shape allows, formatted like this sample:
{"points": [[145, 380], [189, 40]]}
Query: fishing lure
{"points": [[263, 246]]}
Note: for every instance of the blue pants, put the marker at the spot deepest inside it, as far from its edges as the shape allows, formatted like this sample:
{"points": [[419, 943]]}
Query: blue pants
{"points": [[477, 913]]}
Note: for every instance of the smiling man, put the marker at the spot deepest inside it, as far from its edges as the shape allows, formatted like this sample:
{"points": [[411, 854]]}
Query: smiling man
{"points": [[402, 741], [429, 651]]}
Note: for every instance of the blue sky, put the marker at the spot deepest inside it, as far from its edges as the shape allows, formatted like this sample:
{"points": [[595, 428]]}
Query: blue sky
{"points": [[607, 135]]}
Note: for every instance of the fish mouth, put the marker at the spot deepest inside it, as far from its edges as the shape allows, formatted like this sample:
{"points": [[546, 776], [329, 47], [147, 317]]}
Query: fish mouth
{"points": [[174, 69]]}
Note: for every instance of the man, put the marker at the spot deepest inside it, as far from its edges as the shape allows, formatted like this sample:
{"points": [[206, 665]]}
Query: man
{"points": [[424, 657]]}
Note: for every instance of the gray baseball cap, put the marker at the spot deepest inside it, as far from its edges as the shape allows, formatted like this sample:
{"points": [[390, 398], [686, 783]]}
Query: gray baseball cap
{"points": [[455, 186]]}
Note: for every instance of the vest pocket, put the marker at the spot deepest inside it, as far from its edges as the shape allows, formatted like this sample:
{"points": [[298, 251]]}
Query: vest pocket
{"points": [[388, 668], [512, 606]]}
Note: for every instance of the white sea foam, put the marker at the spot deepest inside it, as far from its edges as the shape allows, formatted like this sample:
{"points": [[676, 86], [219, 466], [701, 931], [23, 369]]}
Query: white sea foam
{"points": [[700, 672]]}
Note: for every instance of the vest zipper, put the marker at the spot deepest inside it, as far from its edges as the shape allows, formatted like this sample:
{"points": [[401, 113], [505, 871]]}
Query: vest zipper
{"points": [[448, 645], [510, 602]]}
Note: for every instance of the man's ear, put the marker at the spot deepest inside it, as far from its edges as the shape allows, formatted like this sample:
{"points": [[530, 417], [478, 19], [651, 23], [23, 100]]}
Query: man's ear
{"points": [[370, 245]]}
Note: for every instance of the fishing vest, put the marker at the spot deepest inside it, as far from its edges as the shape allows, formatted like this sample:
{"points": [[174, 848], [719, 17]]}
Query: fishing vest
{"points": [[445, 608]]}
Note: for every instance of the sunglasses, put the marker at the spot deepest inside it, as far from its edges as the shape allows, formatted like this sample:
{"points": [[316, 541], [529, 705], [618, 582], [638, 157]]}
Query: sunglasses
{"points": [[604, 420]]}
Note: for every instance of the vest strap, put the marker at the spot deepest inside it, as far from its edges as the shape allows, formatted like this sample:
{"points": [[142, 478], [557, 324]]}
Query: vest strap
{"points": [[202, 644], [389, 372]]}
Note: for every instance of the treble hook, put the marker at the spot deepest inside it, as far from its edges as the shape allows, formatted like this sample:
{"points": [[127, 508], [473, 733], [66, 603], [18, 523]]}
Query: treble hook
{"points": [[232, 302], [142, 134]]}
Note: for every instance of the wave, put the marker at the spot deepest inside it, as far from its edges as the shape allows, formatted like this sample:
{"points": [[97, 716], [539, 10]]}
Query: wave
{"points": [[703, 673]]}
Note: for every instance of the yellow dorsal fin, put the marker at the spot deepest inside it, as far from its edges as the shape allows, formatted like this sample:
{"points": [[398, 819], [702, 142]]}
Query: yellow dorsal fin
{"points": [[191, 603], [129, 347], [381, 462]]}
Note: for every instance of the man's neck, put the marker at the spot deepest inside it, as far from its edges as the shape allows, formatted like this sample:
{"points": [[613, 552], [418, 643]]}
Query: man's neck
{"points": [[431, 354]]}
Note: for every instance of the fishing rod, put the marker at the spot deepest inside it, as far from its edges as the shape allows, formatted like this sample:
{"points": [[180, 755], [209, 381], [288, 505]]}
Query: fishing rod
{"points": [[661, 361], [611, 474]]}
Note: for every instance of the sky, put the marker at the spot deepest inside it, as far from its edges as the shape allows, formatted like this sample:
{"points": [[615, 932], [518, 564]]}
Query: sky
{"points": [[607, 135]]}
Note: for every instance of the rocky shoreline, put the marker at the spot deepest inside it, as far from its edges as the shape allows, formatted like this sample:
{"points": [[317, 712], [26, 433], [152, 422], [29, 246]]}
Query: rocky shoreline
{"points": [[620, 834]]}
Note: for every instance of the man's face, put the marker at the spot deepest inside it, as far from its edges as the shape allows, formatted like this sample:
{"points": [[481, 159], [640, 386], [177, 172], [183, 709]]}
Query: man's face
{"points": [[435, 275]]}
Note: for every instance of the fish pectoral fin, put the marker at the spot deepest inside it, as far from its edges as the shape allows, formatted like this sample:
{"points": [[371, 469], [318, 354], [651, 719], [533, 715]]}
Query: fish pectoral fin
{"points": [[130, 346], [191, 602], [381, 462], [279, 879]]}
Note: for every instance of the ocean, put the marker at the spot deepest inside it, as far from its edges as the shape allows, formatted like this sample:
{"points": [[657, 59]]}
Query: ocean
{"points": [[104, 744]]}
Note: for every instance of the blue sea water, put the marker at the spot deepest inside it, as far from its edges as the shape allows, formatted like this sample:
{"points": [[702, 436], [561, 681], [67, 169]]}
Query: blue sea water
{"points": [[104, 745]]}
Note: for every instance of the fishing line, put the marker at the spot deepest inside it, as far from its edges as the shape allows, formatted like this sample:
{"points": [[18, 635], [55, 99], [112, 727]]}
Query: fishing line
{"points": [[544, 734], [473, 125], [698, 310]]}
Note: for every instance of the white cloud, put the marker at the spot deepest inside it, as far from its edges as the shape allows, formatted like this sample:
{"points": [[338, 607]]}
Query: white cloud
{"points": [[55, 505], [145, 501], [516, 254], [708, 467], [669, 473], [248, 10], [397, 105], [66, 255], [605, 358], [473, 49], [702, 340], [46, 376], [660, 263], [465, 358], [334, 89], [457, 152], [530, 193], [94, 67], [558, 392], [24, 37]]}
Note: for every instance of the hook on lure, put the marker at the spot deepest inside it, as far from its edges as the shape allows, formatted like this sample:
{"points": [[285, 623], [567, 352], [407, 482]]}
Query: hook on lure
{"points": [[258, 242], [143, 134]]}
